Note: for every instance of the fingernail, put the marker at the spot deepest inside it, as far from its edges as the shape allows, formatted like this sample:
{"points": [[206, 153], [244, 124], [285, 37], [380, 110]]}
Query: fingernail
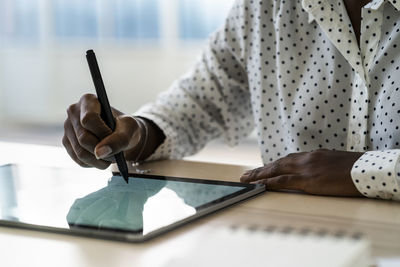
{"points": [[102, 152]]}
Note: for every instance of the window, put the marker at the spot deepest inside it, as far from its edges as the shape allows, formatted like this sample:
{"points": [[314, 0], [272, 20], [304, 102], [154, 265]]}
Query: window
{"points": [[136, 19], [19, 20], [75, 18], [44, 41], [109, 21], [198, 18]]}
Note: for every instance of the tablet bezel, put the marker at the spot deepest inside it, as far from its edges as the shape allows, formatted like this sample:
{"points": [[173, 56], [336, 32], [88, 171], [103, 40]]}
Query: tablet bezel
{"points": [[249, 190]]}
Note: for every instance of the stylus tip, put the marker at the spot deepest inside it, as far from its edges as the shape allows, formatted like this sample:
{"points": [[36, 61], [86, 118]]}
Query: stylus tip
{"points": [[126, 177]]}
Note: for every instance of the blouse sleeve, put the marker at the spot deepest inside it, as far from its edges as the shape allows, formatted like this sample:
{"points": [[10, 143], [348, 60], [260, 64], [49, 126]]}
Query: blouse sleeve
{"points": [[212, 100], [376, 174]]}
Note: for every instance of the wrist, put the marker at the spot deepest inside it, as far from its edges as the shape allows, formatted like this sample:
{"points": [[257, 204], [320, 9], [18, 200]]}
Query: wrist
{"points": [[155, 137], [148, 139]]}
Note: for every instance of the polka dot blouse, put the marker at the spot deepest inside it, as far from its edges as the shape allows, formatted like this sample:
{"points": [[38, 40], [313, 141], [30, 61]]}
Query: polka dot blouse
{"points": [[293, 70]]}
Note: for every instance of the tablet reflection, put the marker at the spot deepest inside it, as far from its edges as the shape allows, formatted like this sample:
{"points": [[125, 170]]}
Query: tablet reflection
{"points": [[141, 206], [117, 206], [144, 204]]}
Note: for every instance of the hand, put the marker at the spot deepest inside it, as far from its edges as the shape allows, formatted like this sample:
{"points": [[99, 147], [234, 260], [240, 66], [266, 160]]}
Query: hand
{"points": [[321, 172], [91, 143]]}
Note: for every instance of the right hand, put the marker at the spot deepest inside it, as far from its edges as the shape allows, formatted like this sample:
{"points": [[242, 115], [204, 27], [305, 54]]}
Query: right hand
{"points": [[91, 143]]}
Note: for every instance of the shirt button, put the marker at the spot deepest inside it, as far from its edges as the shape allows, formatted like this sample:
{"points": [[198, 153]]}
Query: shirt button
{"points": [[357, 138]]}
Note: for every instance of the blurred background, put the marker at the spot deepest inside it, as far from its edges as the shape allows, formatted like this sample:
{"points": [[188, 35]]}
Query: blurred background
{"points": [[142, 47]]}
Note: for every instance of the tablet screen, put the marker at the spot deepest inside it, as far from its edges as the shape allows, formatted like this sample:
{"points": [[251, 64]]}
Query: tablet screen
{"points": [[95, 200]]}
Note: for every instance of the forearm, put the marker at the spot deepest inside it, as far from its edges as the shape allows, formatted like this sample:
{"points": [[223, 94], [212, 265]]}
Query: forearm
{"points": [[154, 139]]}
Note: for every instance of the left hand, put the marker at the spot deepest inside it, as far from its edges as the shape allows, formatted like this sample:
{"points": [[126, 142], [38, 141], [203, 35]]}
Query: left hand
{"points": [[320, 172]]}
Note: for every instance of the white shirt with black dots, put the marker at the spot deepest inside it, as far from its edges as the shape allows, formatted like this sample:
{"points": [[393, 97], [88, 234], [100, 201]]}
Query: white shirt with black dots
{"points": [[295, 72]]}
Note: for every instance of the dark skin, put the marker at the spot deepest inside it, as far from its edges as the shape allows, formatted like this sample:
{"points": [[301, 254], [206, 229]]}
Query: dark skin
{"points": [[86, 135], [320, 172]]}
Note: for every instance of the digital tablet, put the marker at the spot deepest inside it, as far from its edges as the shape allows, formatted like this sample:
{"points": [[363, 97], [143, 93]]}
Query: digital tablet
{"points": [[99, 204]]}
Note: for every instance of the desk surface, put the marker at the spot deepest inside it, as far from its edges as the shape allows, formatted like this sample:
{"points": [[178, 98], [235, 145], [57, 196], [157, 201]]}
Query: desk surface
{"points": [[379, 220]]}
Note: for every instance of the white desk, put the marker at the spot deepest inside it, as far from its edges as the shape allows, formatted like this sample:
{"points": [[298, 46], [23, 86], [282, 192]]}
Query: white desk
{"points": [[378, 220]]}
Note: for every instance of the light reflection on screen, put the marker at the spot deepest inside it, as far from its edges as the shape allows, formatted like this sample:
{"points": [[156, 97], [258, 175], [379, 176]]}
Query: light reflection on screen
{"points": [[43, 196], [89, 198], [158, 209], [143, 205]]}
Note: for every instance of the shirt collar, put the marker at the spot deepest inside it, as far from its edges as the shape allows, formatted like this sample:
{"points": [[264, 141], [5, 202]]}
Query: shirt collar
{"points": [[396, 4], [322, 11], [309, 5], [376, 4]]}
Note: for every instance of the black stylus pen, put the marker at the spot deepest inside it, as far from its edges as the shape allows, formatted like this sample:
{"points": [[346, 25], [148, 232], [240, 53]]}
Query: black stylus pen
{"points": [[106, 113]]}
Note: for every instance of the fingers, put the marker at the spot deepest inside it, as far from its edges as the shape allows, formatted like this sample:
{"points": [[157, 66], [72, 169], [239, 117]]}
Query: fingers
{"points": [[124, 137], [89, 116], [321, 172], [71, 152], [84, 128], [79, 154], [276, 168], [278, 175], [86, 139], [288, 182]]}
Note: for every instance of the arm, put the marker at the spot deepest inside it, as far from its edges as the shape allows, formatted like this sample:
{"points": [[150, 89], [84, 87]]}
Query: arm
{"points": [[212, 100], [90, 143], [334, 173]]}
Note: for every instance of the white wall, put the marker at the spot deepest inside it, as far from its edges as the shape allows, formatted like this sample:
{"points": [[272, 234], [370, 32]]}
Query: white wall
{"points": [[38, 84], [39, 79]]}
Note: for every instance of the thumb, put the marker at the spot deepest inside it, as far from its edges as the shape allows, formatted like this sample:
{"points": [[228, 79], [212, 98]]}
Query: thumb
{"points": [[123, 138]]}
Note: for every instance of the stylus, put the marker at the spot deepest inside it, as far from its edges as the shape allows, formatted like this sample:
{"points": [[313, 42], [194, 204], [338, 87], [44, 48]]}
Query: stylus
{"points": [[106, 113]]}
